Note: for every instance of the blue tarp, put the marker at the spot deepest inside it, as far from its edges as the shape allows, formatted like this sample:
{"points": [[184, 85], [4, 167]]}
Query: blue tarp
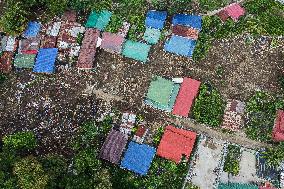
{"points": [[45, 61], [138, 158], [32, 29], [180, 45], [193, 21], [156, 19]]}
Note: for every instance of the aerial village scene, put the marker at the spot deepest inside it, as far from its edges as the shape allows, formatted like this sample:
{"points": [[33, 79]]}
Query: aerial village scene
{"points": [[141, 94]]}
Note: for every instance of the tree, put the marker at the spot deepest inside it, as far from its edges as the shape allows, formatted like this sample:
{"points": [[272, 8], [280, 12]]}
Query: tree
{"points": [[275, 155], [30, 173], [20, 141]]}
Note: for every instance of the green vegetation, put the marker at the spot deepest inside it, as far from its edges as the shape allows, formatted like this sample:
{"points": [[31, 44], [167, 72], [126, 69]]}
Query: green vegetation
{"points": [[158, 135], [232, 160], [2, 78], [209, 106], [172, 7], [261, 112], [20, 140], [210, 5], [275, 155], [191, 186]]}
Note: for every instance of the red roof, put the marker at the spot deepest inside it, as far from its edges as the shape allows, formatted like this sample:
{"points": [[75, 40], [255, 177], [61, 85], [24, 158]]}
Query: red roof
{"points": [[235, 11], [112, 42], [88, 49], [185, 31], [6, 62], [278, 130], [175, 143], [187, 93], [141, 131], [223, 15]]}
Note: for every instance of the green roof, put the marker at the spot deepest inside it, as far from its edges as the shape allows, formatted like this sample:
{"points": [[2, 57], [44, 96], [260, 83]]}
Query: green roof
{"points": [[98, 20], [24, 60], [237, 186], [136, 50], [152, 35], [162, 93]]}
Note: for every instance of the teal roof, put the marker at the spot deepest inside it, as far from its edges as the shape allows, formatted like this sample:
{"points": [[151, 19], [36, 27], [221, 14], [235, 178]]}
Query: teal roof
{"points": [[98, 20], [24, 60], [236, 186], [152, 35], [136, 50], [162, 94]]}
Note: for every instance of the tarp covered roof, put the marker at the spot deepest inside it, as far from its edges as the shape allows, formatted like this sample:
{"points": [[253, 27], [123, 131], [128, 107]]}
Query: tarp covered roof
{"points": [[45, 60], [138, 158], [193, 21], [113, 146], [175, 143], [185, 98], [32, 29], [99, 20], [24, 60], [180, 46], [152, 35], [155, 19], [136, 50], [112, 42]]}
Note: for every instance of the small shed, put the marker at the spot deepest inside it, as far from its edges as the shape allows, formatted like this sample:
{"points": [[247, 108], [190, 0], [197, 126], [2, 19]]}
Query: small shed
{"points": [[278, 129], [6, 62], [99, 20], [187, 32], [88, 49], [151, 35], [32, 29], [193, 21], [136, 50], [186, 95], [45, 60], [138, 158], [29, 45], [234, 11], [180, 46], [112, 42], [155, 19], [113, 147], [24, 60], [176, 143]]}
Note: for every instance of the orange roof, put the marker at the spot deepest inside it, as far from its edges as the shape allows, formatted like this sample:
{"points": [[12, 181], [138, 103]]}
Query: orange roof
{"points": [[175, 143]]}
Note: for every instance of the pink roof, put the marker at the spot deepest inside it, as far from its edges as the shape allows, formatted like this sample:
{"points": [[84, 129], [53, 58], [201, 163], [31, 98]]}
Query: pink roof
{"points": [[278, 130], [112, 42], [175, 143], [187, 93], [88, 49], [235, 11]]}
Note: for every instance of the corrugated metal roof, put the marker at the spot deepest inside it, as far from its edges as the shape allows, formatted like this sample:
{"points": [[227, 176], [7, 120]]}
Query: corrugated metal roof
{"points": [[112, 42], [24, 60], [92, 20], [155, 19], [235, 11], [223, 15], [152, 35], [183, 31], [158, 15], [187, 93], [32, 29], [53, 29], [45, 61], [138, 158], [99, 20], [193, 21], [6, 62], [136, 50], [88, 49], [175, 143], [180, 45]]}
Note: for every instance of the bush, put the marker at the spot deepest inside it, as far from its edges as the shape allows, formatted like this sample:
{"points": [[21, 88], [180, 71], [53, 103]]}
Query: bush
{"points": [[20, 141], [158, 135], [172, 7], [115, 23], [274, 156], [232, 160], [210, 5], [2, 78], [209, 106]]}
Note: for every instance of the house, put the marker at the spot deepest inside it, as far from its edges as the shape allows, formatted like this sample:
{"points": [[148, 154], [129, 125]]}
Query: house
{"points": [[176, 143], [6, 61], [112, 42], [45, 60], [187, 32], [32, 30], [152, 35], [180, 46], [185, 98], [193, 21], [29, 45], [140, 134], [136, 50], [24, 61], [234, 115], [88, 49], [113, 147], [162, 94], [138, 158], [278, 129], [98, 20], [155, 19], [234, 11]]}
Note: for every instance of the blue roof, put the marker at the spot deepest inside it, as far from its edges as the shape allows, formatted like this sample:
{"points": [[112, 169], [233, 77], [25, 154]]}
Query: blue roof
{"points": [[32, 29], [180, 45], [155, 19], [193, 21], [45, 60], [138, 158]]}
